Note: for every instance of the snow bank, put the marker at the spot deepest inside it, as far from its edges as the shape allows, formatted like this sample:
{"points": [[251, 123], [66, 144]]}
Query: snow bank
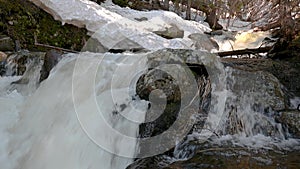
{"points": [[114, 25]]}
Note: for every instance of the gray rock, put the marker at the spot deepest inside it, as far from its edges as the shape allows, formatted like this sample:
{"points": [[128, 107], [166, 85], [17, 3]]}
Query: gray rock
{"points": [[27, 64], [171, 32], [202, 41], [141, 19], [228, 35], [291, 118], [93, 45], [18, 62], [51, 58], [264, 88], [6, 43], [3, 56]]}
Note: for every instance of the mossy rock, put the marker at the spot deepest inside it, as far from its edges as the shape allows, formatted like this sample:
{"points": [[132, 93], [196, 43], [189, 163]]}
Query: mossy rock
{"points": [[23, 21]]}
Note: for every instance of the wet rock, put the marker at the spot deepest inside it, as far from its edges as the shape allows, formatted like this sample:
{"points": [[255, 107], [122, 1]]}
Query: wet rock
{"points": [[6, 43], [17, 62], [126, 44], [98, 1], [141, 19], [227, 35], [3, 56], [291, 119], [249, 85], [28, 65], [171, 32], [171, 93], [232, 158], [93, 45], [51, 58], [264, 88], [2, 68], [287, 72]]}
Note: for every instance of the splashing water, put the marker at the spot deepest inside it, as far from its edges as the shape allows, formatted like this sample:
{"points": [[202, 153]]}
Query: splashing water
{"points": [[48, 133]]}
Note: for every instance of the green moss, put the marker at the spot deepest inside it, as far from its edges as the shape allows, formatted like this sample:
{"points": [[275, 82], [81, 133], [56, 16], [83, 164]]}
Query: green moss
{"points": [[122, 3], [22, 21]]}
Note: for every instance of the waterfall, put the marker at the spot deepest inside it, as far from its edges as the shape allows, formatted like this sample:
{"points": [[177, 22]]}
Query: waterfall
{"points": [[242, 114], [80, 117]]}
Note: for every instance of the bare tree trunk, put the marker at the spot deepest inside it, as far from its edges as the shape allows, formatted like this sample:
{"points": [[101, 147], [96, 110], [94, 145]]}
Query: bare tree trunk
{"points": [[188, 10], [166, 5], [286, 21], [212, 19], [181, 1], [177, 10]]}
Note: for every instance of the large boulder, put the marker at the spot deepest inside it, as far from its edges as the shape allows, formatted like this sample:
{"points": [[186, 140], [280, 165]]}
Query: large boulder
{"points": [[260, 88], [287, 72], [253, 95]]}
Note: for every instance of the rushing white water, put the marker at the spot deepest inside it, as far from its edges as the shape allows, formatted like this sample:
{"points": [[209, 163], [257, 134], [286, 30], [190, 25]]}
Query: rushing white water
{"points": [[244, 121], [43, 131]]}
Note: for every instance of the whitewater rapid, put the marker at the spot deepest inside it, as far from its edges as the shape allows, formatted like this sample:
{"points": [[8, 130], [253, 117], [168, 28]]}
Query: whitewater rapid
{"points": [[47, 129]]}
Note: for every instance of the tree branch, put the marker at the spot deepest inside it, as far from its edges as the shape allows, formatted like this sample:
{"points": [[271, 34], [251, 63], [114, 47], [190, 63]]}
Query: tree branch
{"points": [[244, 51]]}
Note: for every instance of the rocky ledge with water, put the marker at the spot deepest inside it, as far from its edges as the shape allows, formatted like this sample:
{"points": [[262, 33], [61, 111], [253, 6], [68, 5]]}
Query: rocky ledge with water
{"points": [[242, 113], [260, 109], [259, 105]]}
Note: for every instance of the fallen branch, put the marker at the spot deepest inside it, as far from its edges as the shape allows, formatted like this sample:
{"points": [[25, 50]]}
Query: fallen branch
{"points": [[56, 48], [221, 149], [244, 51], [52, 47]]}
